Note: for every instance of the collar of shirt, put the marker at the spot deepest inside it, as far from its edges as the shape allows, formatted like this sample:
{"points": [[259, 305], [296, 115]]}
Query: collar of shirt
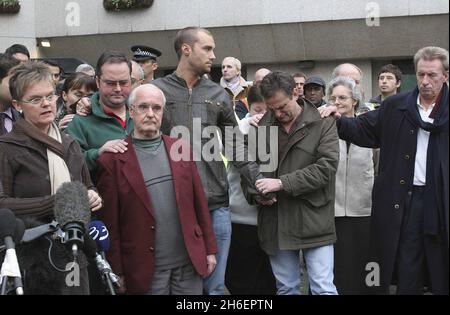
{"points": [[8, 113], [122, 122], [425, 113]]}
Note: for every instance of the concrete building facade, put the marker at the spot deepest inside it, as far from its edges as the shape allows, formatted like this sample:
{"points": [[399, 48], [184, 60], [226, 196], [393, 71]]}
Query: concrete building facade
{"points": [[312, 36]]}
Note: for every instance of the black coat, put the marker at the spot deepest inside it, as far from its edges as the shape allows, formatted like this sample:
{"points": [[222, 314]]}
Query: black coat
{"points": [[392, 129]]}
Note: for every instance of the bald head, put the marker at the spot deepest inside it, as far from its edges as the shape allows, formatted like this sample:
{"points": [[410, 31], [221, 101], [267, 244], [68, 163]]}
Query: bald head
{"points": [[260, 74], [147, 90], [348, 70]]}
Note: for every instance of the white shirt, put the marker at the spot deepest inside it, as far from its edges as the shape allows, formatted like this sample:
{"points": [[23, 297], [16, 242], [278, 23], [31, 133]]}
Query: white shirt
{"points": [[420, 166], [8, 119]]}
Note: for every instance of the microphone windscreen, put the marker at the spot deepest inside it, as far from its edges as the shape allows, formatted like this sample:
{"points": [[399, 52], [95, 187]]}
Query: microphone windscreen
{"points": [[72, 204], [100, 234], [19, 231], [7, 223]]}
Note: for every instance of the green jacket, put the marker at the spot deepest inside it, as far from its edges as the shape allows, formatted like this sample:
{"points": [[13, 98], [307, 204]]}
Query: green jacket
{"points": [[303, 216], [94, 130]]}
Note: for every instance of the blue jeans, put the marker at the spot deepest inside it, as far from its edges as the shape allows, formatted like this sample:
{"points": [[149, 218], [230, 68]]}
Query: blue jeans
{"points": [[319, 264], [214, 284]]}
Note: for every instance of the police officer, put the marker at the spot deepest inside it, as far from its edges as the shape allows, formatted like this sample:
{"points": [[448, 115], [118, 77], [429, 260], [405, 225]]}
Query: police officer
{"points": [[146, 57]]}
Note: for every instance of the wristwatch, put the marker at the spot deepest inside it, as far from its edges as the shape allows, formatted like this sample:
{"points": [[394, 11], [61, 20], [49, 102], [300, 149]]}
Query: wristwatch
{"points": [[280, 183]]}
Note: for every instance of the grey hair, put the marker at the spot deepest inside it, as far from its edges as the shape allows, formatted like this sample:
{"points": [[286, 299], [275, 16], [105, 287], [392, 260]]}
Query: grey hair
{"points": [[350, 84], [141, 71], [337, 70], [84, 67], [149, 86], [431, 53]]}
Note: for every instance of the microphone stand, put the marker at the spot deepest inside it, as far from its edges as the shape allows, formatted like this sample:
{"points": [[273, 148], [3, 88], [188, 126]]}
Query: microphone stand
{"points": [[106, 272], [4, 284]]}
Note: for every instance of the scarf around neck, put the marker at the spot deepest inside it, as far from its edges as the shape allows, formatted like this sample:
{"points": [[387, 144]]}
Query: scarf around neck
{"points": [[436, 189], [233, 84], [58, 170]]}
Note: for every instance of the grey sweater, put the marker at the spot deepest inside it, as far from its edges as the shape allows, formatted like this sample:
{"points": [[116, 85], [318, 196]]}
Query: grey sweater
{"points": [[170, 250]]}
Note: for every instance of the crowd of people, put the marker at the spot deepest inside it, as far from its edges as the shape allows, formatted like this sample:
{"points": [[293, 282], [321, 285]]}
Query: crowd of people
{"points": [[192, 210]]}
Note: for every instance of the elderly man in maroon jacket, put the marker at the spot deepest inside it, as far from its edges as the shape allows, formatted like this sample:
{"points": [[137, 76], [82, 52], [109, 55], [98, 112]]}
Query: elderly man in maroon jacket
{"points": [[162, 241]]}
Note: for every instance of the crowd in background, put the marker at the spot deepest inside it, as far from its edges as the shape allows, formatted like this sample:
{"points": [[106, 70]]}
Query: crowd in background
{"points": [[358, 180]]}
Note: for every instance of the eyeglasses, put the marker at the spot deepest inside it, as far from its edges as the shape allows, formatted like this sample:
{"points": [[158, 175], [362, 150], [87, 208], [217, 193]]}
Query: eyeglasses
{"points": [[341, 98], [38, 100], [113, 84], [144, 108]]}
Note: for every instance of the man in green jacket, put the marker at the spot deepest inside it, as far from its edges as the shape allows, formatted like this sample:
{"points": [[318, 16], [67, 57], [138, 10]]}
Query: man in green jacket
{"points": [[303, 216], [109, 124]]}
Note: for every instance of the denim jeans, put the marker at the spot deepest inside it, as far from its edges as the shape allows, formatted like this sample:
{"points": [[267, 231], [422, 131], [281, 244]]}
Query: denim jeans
{"points": [[319, 264], [214, 284]]}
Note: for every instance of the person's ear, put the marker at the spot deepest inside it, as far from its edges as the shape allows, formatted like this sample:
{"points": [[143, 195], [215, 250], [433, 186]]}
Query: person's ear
{"points": [[186, 50], [64, 96], [295, 93], [131, 112], [16, 106]]}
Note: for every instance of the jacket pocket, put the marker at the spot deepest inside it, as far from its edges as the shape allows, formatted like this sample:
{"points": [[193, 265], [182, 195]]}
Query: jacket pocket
{"points": [[316, 198], [317, 214]]}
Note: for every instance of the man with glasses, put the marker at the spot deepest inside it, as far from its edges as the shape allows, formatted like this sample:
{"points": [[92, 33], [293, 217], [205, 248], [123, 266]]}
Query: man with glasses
{"points": [[169, 222], [109, 123]]}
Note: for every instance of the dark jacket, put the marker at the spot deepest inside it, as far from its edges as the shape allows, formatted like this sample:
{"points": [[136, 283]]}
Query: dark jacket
{"points": [[25, 189], [24, 172], [129, 215], [210, 105], [392, 129], [303, 216]]}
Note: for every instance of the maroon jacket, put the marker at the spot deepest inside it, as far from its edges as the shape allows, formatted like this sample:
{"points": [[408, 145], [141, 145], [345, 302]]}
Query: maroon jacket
{"points": [[129, 217]]}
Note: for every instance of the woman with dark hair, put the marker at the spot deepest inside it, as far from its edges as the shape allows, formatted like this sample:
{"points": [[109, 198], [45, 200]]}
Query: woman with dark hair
{"points": [[76, 87], [35, 160]]}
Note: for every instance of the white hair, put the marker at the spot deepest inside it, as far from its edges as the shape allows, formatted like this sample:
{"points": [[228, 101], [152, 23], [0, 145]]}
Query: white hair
{"points": [[236, 62], [84, 67], [148, 86]]}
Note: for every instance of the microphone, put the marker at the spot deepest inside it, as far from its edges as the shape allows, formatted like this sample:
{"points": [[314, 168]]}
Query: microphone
{"points": [[99, 233], [11, 231], [73, 213]]}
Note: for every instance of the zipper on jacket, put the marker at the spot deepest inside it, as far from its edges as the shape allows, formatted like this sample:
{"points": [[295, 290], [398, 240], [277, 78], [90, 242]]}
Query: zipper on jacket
{"points": [[191, 123]]}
